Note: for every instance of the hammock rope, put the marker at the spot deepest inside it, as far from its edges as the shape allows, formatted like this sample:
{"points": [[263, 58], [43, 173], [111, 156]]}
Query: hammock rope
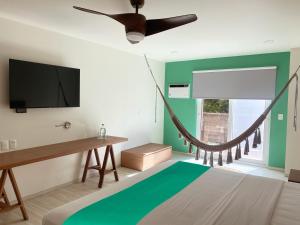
{"points": [[236, 142]]}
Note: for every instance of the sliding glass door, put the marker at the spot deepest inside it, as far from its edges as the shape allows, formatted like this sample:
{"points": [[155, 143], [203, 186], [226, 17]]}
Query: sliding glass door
{"points": [[223, 120], [242, 115]]}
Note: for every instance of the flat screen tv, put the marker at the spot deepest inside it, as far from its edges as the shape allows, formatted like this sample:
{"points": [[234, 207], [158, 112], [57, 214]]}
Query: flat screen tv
{"points": [[36, 85]]}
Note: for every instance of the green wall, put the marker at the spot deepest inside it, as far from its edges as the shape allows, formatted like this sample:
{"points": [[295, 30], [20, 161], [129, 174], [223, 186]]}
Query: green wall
{"points": [[186, 109]]}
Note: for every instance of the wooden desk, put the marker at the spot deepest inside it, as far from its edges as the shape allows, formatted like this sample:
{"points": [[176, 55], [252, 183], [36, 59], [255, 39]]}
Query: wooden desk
{"points": [[9, 160]]}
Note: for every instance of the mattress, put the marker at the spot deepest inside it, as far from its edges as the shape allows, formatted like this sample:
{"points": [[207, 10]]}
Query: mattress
{"points": [[217, 197]]}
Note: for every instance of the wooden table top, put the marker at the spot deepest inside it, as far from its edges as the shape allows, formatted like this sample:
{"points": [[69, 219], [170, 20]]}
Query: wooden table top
{"points": [[41, 153]]}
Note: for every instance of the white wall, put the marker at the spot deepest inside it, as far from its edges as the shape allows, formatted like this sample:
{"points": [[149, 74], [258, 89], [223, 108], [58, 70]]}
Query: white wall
{"points": [[292, 160], [115, 89]]}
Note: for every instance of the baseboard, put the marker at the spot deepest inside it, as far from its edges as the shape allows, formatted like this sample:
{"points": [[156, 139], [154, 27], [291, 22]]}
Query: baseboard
{"points": [[276, 168], [183, 153]]}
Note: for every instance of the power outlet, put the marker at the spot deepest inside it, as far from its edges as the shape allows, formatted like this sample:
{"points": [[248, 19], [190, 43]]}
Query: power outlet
{"points": [[4, 145], [12, 144]]}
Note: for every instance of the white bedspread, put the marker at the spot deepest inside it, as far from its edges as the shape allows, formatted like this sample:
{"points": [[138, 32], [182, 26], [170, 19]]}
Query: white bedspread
{"points": [[218, 197]]}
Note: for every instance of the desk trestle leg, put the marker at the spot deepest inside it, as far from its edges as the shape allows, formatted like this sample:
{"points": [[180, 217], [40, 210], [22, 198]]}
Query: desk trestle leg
{"points": [[109, 151], [6, 206], [87, 164], [102, 169]]}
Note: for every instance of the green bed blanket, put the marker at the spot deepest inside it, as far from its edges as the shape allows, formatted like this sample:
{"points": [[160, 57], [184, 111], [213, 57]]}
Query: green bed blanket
{"points": [[132, 204]]}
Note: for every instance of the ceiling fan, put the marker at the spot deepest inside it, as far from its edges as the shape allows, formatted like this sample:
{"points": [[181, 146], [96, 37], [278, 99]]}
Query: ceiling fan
{"points": [[137, 26]]}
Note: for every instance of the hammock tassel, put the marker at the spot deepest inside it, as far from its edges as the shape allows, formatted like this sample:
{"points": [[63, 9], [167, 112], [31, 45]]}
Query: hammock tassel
{"points": [[229, 157], [179, 135], [246, 150], [220, 160], [238, 152], [185, 142], [205, 158], [255, 141], [190, 148], [197, 153], [211, 159], [258, 136]]}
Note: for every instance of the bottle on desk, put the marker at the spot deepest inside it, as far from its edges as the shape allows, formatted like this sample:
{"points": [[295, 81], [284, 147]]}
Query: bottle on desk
{"points": [[102, 132]]}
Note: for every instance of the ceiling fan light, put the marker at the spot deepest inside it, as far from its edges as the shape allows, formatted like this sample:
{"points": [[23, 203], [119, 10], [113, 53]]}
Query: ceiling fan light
{"points": [[135, 37]]}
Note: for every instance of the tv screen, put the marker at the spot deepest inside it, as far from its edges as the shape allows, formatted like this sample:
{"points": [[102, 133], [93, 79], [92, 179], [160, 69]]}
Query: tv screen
{"points": [[35, 85]]}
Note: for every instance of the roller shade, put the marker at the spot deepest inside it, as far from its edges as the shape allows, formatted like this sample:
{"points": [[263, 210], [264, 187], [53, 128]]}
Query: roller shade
{"points": [[246, 83]]}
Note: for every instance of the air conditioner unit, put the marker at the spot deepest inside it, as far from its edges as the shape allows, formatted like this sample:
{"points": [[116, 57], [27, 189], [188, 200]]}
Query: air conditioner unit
{"points": [[179, 91]]}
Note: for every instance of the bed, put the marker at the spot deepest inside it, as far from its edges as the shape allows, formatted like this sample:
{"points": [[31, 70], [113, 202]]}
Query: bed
{"points": [[216, 197]]}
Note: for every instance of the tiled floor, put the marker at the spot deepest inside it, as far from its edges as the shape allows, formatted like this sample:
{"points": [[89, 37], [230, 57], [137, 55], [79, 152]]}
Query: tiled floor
{"points": [[39, 206]]}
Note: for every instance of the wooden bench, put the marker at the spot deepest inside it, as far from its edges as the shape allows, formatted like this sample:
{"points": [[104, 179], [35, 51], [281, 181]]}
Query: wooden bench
{"points": [[145, 156]]}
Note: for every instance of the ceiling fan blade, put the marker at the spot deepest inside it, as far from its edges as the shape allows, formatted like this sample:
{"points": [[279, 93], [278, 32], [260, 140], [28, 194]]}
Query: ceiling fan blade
{"points": [[159, 25], [121, 18], [89, 11]]}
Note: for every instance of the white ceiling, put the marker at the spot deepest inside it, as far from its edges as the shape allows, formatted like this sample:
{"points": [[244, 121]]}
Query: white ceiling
{"points": [[224, 27]]}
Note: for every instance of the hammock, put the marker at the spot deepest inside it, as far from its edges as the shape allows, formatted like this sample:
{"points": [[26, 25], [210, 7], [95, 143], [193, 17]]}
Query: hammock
{"points": [[236, 142]]}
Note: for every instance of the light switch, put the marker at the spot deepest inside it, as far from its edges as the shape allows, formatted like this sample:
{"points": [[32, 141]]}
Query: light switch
{"points": [[280, 116], [4, 145], [12, 144]]}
